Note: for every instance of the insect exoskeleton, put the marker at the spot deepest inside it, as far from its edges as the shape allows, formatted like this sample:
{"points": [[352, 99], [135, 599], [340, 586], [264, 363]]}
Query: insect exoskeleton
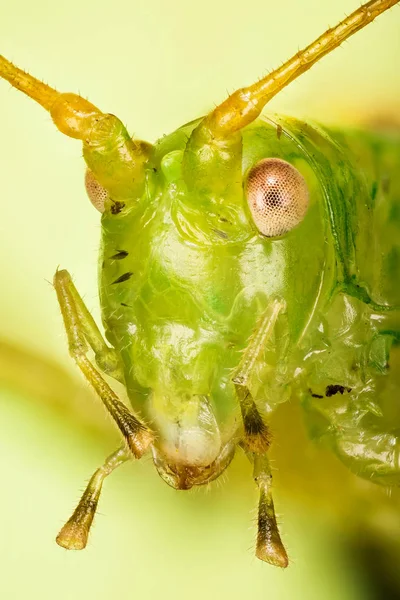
{"points": [[236, 264]]}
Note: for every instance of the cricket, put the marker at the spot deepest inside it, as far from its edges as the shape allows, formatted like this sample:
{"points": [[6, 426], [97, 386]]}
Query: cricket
{"points": [[244, 259]]}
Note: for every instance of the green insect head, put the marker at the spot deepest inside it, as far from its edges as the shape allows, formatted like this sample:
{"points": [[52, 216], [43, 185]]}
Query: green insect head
{"points": [[214, 255], [200, 289], [188, 275]]}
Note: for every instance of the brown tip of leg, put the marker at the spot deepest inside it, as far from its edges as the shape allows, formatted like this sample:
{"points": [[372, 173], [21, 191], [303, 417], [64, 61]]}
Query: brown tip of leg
{"points": [[269, 544], [272, 553], [73, 536]]}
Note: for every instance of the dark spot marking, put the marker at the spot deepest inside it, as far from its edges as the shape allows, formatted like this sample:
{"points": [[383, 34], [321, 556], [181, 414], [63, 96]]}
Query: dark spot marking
{"points": [[279, 132], [314, 395], [120, 255], [123, 277], [154, 169], [117, 207], [103, 264], [331, 390], [123, 304]]}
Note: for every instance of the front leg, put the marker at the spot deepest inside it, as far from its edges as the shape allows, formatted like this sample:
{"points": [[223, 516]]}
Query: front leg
{"points": [[257, 439], [81, 329], [75, 312]]}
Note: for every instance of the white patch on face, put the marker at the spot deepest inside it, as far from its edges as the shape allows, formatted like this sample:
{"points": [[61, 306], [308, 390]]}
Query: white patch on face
{"points": [[132, 328], [187, 429]]}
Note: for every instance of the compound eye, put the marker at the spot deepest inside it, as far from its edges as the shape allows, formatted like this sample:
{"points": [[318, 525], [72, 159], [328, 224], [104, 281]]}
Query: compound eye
{"points": [[277, 195], [97, 194]]}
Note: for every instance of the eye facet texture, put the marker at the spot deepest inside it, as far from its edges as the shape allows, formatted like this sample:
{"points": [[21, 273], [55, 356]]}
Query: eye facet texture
{"points": [[277, 195], [97, 194]]}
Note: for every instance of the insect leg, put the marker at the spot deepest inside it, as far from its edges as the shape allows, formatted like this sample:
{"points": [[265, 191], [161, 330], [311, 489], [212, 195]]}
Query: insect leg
{"points": [[74, 535], [106, 357], [80, 331], [257, 438], [269, 546], [256, 442]]}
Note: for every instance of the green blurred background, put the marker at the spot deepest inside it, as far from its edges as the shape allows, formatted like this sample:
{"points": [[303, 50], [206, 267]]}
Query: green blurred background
{"points": [[158, 65]]}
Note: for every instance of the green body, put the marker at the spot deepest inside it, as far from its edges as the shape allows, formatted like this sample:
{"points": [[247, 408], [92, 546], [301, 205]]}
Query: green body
{"points": [[186, 279], [213, 323]]}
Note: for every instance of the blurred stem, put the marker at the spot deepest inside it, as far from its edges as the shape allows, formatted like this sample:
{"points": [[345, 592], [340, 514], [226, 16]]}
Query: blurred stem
{"points": [[45, 381]]}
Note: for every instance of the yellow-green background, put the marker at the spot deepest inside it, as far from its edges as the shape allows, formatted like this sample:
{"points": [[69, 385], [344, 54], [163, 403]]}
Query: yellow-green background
{"points": [[156, 64]]}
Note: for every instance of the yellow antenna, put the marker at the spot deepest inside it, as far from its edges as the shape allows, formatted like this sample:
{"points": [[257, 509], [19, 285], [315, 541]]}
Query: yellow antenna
{"points": [[245, 105], [105, 139], [71, 113]]}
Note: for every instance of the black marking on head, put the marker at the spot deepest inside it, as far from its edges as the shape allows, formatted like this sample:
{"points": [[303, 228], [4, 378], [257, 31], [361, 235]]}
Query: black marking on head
{"points": [[119, 255], [331, 390], [123, 278], [117, 207]]}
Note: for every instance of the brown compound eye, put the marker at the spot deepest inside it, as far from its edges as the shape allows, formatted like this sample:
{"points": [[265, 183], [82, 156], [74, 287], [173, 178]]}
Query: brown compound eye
{"points": [[277, 195], [97, 194]]}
